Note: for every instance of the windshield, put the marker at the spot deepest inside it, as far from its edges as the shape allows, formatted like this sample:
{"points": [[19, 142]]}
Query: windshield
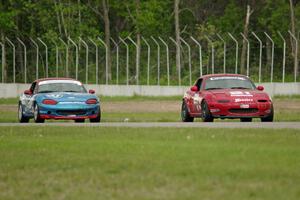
{"points": [[61, 87], [228, 82]]}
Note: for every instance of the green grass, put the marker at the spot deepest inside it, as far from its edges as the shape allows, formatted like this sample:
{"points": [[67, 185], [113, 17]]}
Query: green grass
{"points": [[280, 114], [150, 163]]}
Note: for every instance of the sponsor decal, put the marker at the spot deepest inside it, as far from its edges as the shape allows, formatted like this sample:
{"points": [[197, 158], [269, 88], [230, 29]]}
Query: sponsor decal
{"points": [[59, 81], [227, 78]]}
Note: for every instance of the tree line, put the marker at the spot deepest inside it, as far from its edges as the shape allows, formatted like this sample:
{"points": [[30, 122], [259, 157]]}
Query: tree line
{"points": [[53, 19]]}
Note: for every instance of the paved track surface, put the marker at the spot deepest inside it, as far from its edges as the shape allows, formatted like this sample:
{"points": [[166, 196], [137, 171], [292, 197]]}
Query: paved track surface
{"points": [[273, 125]]}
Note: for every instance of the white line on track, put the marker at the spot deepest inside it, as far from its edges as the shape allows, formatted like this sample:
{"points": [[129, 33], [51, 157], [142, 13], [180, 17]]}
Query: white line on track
{"points": [[267, 125]]}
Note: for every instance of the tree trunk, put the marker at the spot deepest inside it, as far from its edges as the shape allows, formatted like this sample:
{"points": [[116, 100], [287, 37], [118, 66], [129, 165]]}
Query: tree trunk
{"points": [[293, 44], [244, 48], [4, 71], [177, 33], [107, 35]]}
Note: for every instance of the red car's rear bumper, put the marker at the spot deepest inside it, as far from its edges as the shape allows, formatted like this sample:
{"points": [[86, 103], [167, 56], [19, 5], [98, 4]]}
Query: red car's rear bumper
{"points": [[239, 110]]}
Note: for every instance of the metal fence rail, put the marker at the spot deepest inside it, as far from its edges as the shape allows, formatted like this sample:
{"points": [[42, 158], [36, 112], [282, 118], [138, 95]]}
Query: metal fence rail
{"points": [[86, 59]]}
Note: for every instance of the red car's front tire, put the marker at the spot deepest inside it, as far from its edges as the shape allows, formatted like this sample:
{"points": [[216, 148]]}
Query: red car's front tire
{"points": [[206, 115], [185, 115], [270, 117]]}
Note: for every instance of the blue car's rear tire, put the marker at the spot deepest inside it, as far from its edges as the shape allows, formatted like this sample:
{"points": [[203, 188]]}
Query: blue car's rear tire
{"points": [[98, 118], [21, 117], [36, 115]]}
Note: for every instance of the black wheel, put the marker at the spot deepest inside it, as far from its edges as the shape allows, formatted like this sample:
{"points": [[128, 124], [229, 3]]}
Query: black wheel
{"points": [[206, 115], [21, 117], [79, 120], [185, 115], [36, 115], [270, 117], [246, 119], [98, 118]]}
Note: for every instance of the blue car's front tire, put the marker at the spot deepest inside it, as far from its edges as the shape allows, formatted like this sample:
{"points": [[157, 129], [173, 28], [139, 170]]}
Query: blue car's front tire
{"points": [[36, 115], [21, 117]]}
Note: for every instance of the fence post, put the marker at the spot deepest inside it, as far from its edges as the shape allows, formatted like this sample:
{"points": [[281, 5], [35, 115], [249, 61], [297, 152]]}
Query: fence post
{"points": [[148, 59], [136, 59], [97, 66], [117, 59], [67, 56], [158, 59], [86, 60], [260, 56], [200, 54], [46, 51], [2, 57], [283, 56], [189, 56], [236, 51], [296, 55], [56, 56], [272, 61], [212, 54], [14, 58], [76, 58], [25, 59], [224, 52], [127, 60], [179, 70], [248, 51], [106, 59], [168, 61]]}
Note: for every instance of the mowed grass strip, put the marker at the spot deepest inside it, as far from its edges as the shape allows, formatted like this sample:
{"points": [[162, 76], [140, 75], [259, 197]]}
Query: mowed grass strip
{"points": [[148, 163]]}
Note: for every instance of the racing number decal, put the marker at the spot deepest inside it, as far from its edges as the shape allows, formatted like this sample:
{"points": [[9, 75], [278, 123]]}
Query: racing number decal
{"points": [[197, 102]]}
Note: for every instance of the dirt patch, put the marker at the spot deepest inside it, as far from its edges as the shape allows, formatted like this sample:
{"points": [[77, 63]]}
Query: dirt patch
{"points": [[162, 106]]}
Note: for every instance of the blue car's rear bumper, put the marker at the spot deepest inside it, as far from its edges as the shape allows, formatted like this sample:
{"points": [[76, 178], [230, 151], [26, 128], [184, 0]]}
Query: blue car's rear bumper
{"points": [[69, 111]]}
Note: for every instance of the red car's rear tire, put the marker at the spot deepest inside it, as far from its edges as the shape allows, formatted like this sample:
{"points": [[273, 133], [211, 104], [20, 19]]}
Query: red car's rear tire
{"points": [[206, 115], [270, 117], [185, 115]]}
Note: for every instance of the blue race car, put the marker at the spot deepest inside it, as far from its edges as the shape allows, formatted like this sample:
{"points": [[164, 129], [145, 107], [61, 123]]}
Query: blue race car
{"points": [[58, 98]]}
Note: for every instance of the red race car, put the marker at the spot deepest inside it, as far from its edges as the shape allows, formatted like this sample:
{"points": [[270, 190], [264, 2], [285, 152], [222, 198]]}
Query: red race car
{"points": [[226, 96]]}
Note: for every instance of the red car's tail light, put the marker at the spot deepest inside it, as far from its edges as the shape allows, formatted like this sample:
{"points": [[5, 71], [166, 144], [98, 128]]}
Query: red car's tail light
{"points": [[49, 102], [91, 101]]}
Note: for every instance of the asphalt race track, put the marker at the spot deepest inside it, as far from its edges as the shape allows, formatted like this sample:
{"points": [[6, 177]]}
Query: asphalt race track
{"points": [[268, 125]]}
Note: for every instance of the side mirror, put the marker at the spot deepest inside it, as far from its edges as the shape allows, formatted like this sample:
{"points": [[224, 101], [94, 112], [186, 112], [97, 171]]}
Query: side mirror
{"points": [[260, 88], [92, 91], [28, 92], [194, 88]]}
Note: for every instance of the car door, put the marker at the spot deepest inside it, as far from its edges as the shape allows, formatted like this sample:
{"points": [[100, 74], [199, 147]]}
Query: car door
{"points": [[28, 100], [197, 97]]}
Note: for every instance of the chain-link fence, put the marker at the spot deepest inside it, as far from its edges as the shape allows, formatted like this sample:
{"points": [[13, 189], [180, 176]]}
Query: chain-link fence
{"points": [[90, 60]]}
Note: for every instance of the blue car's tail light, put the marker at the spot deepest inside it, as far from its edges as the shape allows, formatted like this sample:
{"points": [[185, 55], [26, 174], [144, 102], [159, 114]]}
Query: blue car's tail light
{"points": [[49, 102], [91, 101]]}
